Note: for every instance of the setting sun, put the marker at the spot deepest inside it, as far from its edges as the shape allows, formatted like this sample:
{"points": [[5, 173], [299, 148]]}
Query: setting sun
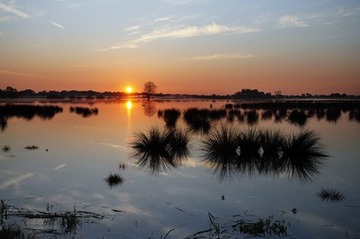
{"points": [[129, 89]]}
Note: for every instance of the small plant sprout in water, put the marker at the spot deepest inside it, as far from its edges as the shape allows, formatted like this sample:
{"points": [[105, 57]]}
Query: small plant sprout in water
{"points": [[330, 195], [114, 179], [6, 148], [122, 166]]}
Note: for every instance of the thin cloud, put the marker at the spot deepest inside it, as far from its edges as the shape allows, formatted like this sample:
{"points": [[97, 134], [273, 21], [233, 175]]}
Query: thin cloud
{"points": [[290, 21], [132, 28], [181, 32], [177, 2], [13, 10], [57, 25], [128, 45], [163, 19], [222, 57], [192, 31], [22, 74]]}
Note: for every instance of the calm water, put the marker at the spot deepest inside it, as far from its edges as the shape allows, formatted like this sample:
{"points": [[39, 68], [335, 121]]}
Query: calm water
{"points": [[76, 154]]}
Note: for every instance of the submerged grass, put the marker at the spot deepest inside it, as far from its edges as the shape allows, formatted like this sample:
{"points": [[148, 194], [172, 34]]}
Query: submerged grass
{"points": [[262, 227]]}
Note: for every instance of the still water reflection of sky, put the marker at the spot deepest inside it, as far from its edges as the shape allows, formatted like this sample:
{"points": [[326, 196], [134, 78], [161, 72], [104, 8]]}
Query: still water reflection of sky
{"points": [[77, 153]]}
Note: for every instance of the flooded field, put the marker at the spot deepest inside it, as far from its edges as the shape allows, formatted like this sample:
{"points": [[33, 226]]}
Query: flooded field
{"points": [[179, 169]]}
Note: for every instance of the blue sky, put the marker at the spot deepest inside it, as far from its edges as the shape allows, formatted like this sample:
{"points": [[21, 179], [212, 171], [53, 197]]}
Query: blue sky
{"points": [[294, 46]]}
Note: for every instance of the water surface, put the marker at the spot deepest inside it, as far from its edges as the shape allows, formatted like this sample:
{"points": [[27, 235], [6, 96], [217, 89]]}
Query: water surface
{"points": [[76, 153]]}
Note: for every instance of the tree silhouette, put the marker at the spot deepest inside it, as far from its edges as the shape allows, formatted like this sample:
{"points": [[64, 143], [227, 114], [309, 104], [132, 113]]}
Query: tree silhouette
{"points": [[149, 89]]}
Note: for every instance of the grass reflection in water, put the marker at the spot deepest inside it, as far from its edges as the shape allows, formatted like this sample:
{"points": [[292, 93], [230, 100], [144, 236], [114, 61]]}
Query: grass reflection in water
{"points": [[229, 152], [160, 150]]}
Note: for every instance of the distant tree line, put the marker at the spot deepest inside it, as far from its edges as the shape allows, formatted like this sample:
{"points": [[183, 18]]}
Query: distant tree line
{"points": [[11, 92], [149, 90]]}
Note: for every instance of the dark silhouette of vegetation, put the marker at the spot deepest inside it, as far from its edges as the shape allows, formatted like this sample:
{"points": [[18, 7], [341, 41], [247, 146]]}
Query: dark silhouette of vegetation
{"points": [[251, 94], [252, 117], [221, 149], [32, 147], [333, 114], [85, 112], [170, 116], [247, 94], [262, 227], [302, 154], [298, 117], [27, 112], [268, 227], [114, 179], [5, 148], [354, 115], [330, 195], [230, 152], [149, 89], [198, 120], [54, 224], [160, 150]]}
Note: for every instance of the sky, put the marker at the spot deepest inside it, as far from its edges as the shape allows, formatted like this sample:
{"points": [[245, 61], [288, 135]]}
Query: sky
{"points": [[183, 46]]}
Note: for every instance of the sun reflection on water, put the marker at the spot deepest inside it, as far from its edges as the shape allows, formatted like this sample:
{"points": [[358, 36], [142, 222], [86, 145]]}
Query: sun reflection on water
{"points": [[129, 105]]}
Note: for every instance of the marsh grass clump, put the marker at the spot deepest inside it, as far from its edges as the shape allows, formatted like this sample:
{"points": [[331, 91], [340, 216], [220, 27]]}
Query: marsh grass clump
{"points": [[228, 151], [271, 145], [221, 149], [198, 120], [32, 147], [252, 117], [333, 114], [160, 149], [114, 180], [171, 116], [250, 143], [302, 155], [6, 148], [84, 111], [298, 117], [330, 195], [179, 144]]}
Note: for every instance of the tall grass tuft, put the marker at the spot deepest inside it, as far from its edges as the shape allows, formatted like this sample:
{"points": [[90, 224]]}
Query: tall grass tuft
{"points": [[302, 155], [160, 150], [271, 144], [221, 149], [171, 116]]}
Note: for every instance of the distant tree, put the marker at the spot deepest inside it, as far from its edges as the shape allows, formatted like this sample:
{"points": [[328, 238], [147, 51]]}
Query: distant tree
{"points": [[149, 89], [10, 89]]}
